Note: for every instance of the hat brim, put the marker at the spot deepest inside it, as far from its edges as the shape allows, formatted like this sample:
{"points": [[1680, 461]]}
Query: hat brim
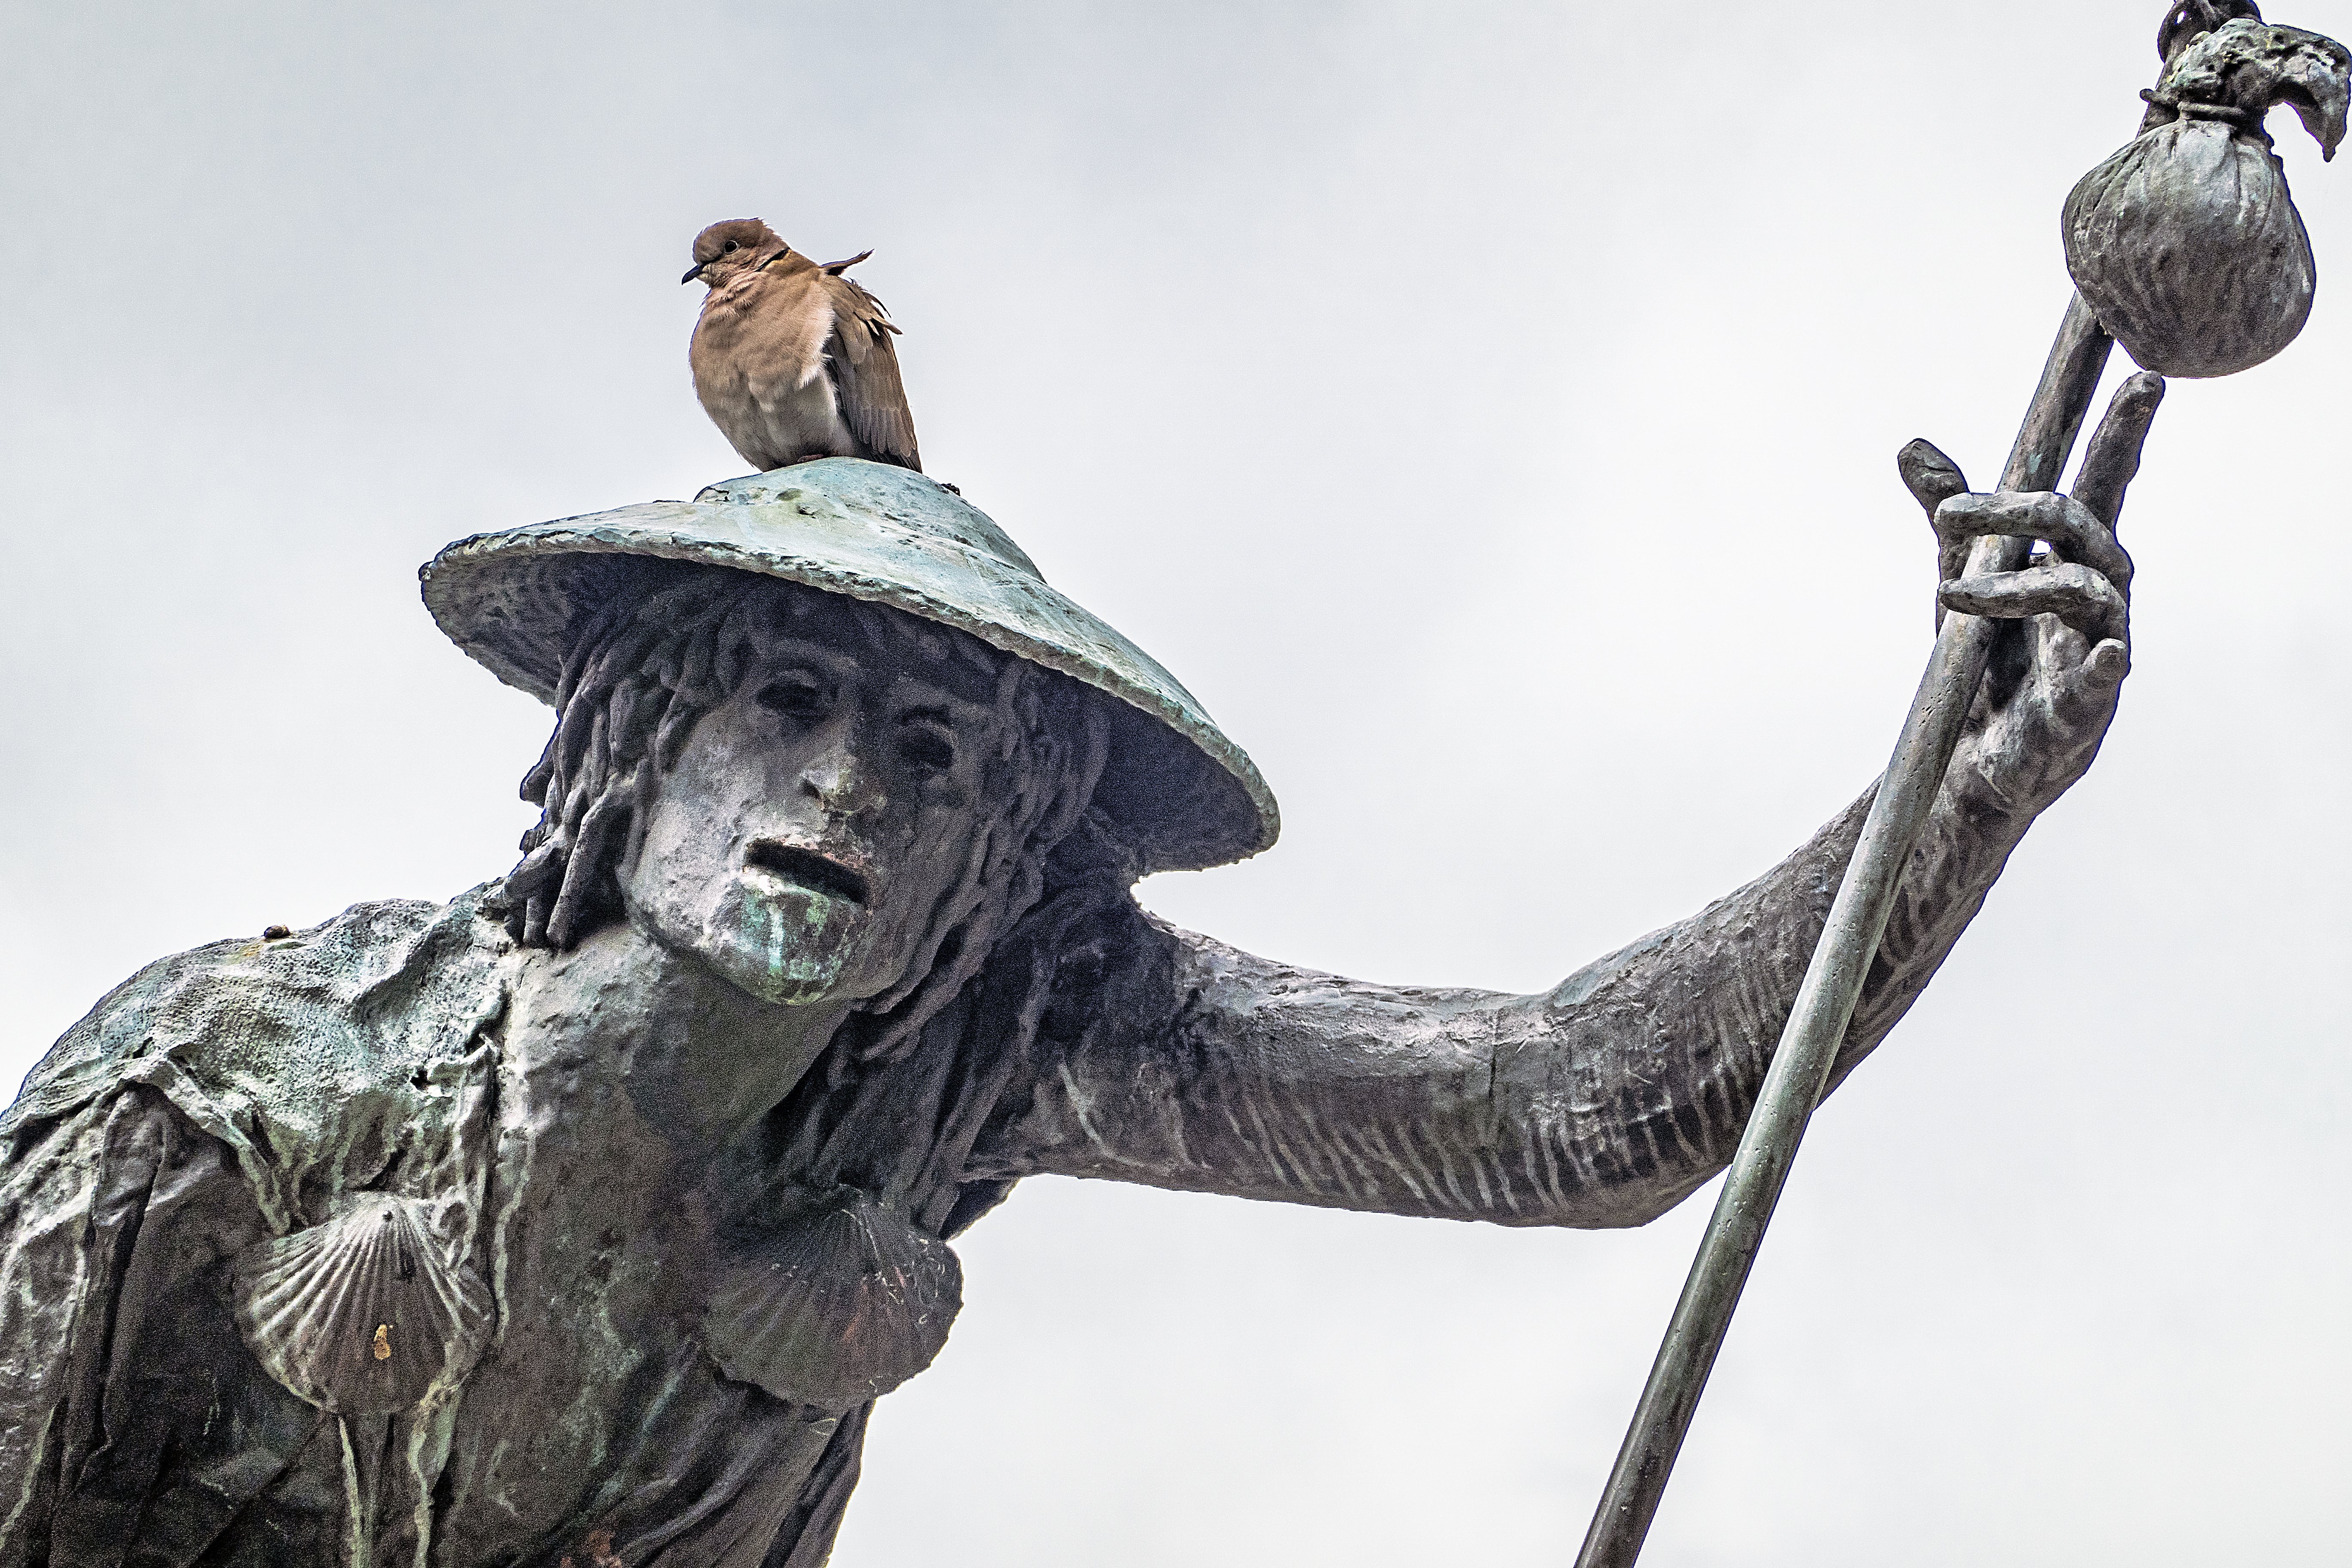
{"points": [[1180, 793]]}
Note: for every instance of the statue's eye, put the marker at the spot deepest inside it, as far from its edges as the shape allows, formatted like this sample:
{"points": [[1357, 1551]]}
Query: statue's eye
{"points": [[925, 745], [796, 699]]}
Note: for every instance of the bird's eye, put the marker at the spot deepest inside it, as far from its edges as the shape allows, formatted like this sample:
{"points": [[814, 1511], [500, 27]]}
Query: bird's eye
{"points": [[796, 699], [730, 245]]}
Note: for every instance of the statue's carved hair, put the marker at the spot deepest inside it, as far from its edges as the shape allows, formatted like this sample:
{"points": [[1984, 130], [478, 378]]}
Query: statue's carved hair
{"points": [[670, 643]]}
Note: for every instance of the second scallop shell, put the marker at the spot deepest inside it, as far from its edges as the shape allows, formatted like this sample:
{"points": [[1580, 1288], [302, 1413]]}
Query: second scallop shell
{"points": [[838, 1305]]}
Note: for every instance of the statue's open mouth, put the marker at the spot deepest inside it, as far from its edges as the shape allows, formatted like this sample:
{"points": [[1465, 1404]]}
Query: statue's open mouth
{"points": [[805, 868]]}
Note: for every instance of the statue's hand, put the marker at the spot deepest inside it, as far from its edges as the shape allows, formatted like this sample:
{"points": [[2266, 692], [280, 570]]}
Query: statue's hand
{"points": [[2051, 689]]}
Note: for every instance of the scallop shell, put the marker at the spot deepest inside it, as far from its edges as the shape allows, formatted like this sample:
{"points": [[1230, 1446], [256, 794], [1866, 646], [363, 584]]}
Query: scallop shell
{"points": [[363, 1314], [836, 1306]]}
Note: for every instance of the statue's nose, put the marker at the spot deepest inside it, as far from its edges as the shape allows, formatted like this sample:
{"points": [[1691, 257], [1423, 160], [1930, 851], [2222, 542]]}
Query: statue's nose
{"points": [[837, 781]]}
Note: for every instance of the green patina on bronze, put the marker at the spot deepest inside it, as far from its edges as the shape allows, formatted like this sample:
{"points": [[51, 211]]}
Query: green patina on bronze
{"points": [[464, 1235], [1186, 795]]}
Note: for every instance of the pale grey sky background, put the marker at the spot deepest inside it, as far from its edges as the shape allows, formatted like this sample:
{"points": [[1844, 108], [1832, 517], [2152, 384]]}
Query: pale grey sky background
{"points": [[1489, 411]]}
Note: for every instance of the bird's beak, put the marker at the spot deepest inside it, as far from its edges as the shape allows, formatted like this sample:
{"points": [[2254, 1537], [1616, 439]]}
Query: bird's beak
{"points": [[692, 273]]}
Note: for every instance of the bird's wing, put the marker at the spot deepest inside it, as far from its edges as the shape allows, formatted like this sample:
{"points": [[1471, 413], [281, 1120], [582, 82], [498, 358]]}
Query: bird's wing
{"points": [[864, 368]]}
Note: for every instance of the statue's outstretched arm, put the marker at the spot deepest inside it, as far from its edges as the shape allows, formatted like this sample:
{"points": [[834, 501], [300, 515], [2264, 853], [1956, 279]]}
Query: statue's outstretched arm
{"points": [[1606, 1101], [1599, 1103]]}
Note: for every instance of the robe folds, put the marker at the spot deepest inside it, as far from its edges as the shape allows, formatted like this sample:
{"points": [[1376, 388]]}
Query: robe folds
{"points": [[225, 1106], [229, 1095]]}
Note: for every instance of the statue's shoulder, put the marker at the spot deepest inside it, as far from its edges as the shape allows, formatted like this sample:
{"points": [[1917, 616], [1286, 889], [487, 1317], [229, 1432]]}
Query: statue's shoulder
{"points": [[306, 1039]]}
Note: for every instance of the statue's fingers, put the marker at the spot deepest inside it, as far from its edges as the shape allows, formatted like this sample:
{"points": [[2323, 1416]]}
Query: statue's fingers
{"points": [[2105, 666], [2113, 456], [2084, 689], [2083, 598], [541, 871], [2072, 529], [1930, 476], [1933, 479]]}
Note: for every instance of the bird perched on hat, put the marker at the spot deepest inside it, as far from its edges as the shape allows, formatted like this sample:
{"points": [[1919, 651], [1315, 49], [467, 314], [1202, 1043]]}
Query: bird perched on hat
{"points": [[792, 359]]}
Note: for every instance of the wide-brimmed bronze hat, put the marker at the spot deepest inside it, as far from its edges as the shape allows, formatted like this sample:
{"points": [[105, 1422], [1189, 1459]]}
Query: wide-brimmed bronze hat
{"points": [[1181, 794]]}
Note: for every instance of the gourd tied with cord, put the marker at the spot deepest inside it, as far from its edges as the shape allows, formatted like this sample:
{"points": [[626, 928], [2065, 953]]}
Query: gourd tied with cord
{"points": [[2186, 242]]}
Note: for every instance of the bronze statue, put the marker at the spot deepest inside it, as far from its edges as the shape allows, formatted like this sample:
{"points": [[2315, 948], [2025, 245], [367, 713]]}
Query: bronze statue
{"points": [[584, 1217], [581, 1221]]}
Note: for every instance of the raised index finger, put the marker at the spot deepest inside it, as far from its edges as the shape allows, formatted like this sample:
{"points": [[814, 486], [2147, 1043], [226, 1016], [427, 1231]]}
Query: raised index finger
{"points": [[2114, 455]]}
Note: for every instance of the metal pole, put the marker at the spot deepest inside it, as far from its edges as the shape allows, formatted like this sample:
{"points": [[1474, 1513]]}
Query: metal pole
{"points": [[1809, 1045]]}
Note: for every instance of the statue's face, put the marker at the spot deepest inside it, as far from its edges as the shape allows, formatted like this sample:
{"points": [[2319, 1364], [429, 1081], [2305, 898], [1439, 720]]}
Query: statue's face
{"points": [[812, 823]]}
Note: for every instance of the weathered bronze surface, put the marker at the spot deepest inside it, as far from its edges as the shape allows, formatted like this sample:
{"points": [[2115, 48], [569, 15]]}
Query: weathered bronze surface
{"points": [[2186, 247], [2186, 242], [582, 1219], [1990, 537], [625, 1183]]}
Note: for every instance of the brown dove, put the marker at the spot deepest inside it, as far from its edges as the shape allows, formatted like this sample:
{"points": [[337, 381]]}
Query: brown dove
{"points": [[792, 359]]}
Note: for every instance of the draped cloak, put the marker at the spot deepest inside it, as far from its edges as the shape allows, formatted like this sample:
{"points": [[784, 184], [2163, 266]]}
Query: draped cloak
{"points": [[227, 1096], [243, 1091]]}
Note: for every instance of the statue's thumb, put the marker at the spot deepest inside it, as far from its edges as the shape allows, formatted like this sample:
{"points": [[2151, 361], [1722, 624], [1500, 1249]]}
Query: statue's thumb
{"points": [[1930, 476]]}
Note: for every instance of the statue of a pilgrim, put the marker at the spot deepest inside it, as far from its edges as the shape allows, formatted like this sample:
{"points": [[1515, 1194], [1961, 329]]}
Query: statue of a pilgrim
{"points": [[581, 1220]]}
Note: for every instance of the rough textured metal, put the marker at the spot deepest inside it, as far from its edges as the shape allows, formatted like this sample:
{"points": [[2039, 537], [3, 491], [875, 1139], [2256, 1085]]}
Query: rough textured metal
{"points": [[1187, 796], [2187, 242], [833, 920], [363, 1314], [836, 1305], [2185, 247], [615, 1127], [1899, 813]]}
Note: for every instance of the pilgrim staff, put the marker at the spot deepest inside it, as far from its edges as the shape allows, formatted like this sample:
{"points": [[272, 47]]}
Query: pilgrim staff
{"points": [[2186, 241]]}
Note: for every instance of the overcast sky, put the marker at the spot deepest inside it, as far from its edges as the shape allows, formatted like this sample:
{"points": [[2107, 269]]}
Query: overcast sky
{"points": [[1489, 412]]}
